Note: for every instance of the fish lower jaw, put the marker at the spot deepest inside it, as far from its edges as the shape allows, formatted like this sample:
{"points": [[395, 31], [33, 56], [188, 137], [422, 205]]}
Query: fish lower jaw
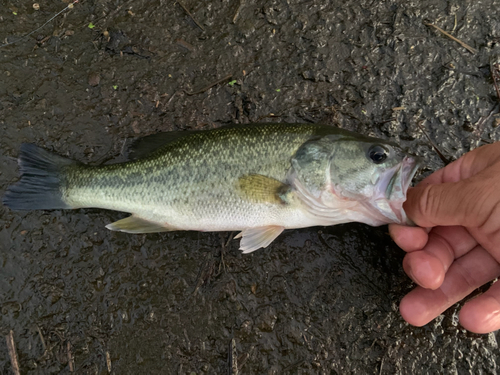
{"points": [[384, 211]]}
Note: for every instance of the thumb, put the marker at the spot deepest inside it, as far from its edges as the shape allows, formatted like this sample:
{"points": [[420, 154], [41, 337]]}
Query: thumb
{"points": [[468, 203]]}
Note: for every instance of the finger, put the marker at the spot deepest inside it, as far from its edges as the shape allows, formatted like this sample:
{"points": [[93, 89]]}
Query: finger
{"points": [[466, 274], [482, 314], [424, 269], [469, 202], [408, 238], [467, 166], [428, 266], [456, 240]]}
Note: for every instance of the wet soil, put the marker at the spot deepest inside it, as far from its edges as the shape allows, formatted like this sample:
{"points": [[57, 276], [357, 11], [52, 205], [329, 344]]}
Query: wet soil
{"points": [[82, 299]]}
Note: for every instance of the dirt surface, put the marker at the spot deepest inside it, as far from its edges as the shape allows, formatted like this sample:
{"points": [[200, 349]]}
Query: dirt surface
{"points": [[82, 299]]}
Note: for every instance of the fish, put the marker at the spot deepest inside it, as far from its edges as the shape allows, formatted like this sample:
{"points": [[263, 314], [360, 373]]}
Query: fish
{"points": [[257, 179]]}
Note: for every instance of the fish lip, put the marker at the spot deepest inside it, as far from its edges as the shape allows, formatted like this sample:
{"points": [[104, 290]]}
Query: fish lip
{"points": [[386, 205], [398, 187], [417, 163], [407, 169]]}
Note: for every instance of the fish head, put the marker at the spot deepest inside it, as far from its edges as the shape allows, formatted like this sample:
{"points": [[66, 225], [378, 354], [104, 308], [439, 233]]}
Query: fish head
{"points": [[373, 173]]}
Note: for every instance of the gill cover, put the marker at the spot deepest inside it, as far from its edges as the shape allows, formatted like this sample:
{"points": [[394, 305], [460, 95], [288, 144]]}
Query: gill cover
{"points": [[342, 178]]}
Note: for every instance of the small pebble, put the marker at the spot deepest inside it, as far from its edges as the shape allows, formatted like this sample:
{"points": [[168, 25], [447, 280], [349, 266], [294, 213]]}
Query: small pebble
{"points": [[94, 79]]}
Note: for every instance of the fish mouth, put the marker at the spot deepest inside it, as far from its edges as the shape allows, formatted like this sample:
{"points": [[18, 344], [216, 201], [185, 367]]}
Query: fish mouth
{"points": [[393, 188], [398, 187]]}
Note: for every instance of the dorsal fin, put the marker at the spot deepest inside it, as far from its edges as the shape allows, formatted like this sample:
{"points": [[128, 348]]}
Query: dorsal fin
{"points": [[145, 146]]}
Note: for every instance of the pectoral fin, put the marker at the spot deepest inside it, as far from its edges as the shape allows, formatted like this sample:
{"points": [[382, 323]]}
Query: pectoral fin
{"points": [[133, 224], [262, 189], [255, 238]]}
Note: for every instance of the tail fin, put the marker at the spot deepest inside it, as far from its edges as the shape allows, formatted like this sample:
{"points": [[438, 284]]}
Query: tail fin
{"points": [[40, 185]]}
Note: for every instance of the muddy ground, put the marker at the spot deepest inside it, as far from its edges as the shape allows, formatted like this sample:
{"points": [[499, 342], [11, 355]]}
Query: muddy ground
{"points": [[82, 299]]}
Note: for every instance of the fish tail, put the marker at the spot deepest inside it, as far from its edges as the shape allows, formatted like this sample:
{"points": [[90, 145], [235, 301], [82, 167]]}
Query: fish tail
{"points": [[40, 185]]}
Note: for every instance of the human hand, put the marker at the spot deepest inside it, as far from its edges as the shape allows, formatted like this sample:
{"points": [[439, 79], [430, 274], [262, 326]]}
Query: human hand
{"points": [[456, 247]]}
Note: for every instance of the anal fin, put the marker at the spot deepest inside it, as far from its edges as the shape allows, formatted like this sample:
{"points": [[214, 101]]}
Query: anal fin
{"points": [[134, 224], [255, 238]]}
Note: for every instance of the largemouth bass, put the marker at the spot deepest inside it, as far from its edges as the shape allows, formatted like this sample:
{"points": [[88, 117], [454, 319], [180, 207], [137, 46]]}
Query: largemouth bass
{"points": [[257, 179]]}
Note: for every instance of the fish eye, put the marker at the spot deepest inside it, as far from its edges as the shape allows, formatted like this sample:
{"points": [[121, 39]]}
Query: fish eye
{"points": [[377, 154]]}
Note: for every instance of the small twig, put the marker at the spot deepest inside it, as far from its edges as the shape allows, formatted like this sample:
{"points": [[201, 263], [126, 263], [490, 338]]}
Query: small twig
{"points": [[11, 346], [109, 16], [479, 125], [224, 246], [466, 46], [236, 15], [445, 160], [185, 44], [242, 359], [108, 361], [495, 75], [232, 359], [452, 68], [225, 78], [230, 238], [42, 339], [69, 6], [190, 15], [294, 365], [204, 273], [222, 250], [71, 360]]}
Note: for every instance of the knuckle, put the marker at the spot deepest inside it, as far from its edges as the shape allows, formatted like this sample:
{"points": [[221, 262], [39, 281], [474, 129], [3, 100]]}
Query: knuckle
{"points": [[467, 277], [429, 202], [484, 207]]}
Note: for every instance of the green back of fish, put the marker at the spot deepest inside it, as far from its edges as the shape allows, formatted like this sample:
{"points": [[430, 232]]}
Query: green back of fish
{"points": [[199, 165]]}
